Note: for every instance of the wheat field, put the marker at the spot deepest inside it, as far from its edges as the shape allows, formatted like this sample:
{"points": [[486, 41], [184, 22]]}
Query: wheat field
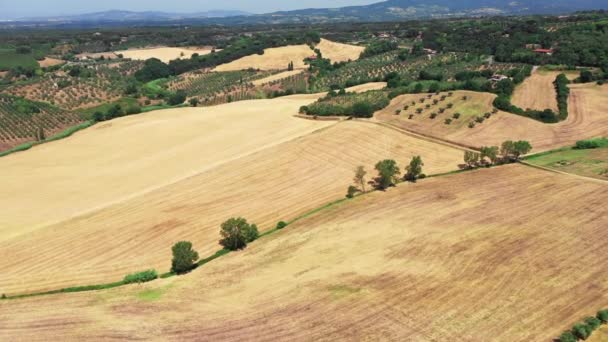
{"points": [[478, 256]]}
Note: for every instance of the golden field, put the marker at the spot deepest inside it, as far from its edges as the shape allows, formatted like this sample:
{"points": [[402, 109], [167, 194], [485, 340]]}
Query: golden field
{"points": [[79, 215], [588, 118], [490, 255], [165, 54]]}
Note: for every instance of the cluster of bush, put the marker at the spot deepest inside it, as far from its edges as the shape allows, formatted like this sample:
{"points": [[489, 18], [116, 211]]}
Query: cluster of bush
{"points": [[591, 143], [510, 151], [362, 105], [140, 277], [584, 329], [115, 111], [378, 47]]}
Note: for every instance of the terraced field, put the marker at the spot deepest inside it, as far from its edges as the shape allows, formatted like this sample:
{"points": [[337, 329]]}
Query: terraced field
{"points": [[200, 167], [375, 268], [588, 118]]}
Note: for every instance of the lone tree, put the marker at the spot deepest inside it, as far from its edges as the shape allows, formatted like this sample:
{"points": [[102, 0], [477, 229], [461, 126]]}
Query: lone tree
{"points": [[471, 159], [237, 233], [414, 170], [360, 177], [388, 172], [184, 257]]}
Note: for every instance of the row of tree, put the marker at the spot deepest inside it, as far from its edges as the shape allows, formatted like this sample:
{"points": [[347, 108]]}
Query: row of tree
{"points": [[510, 151], [584, 329], [388, 175]]}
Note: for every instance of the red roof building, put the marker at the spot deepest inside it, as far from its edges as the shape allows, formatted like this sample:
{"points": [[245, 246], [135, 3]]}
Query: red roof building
{"points": [[545, 51]]}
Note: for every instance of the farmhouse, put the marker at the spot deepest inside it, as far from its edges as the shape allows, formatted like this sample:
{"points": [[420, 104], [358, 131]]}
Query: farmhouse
{"points": [[498, 78], [547, 52]]}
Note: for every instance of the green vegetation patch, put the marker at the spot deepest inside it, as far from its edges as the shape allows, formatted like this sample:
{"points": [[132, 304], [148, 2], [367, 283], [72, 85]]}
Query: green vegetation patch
{"points": [[10, 59], [585, 162], [341, 291], [361, 105]]}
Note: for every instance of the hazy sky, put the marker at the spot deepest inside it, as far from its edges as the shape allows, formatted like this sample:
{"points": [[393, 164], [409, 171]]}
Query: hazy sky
{"points": [[21, 8]]}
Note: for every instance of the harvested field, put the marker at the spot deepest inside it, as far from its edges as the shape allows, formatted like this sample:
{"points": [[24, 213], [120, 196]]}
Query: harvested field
{"points": [[165, 54], [49, 62], [276, 77], [537, 92], [199, 168], [600, 335], [379, 267], [272, 59], [338, 52], [588, 118]]}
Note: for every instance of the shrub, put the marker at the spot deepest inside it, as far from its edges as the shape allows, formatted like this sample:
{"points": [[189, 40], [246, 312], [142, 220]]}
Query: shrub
{"points": [[471, 124], [456, 116], [184, 257], [281, 224], [567, 336], [593, 323], [177, 98], [352, 190], [602, 315], [362, 110], [3, 296], [141, 277], [448, 121], [586, 144]]}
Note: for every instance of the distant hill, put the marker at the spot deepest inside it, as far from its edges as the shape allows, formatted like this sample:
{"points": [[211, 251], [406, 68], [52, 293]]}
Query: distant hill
{"points": [[132, 16], [391, 10]]}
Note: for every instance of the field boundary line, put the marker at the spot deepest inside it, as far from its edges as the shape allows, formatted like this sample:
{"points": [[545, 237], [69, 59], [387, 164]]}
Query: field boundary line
{"points": [[423, 136], [600, 181]]}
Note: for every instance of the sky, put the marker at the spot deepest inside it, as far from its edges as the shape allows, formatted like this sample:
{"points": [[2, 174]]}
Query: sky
{"points": [[34, 8]]}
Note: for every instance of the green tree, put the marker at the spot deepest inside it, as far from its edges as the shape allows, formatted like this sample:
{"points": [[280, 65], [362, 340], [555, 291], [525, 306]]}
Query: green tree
{"points": [[521, 148], [414, 170], [184, 257], [471, 158], [581, 331], [567, 336], [388, 173], [602, 315], [236, 233], [177, 98], [490, 152], [360, 177], [194, 102]]}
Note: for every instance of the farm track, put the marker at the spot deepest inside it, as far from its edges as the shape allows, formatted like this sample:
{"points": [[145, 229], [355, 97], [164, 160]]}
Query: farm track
{"points": [[376, 268]]}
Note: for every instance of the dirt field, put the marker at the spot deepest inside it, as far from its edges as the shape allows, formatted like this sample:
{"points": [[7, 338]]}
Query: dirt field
{"points": [[165, 54], [272, 59], [588, 118], [537, 92], [376, 268], [48, 62], [276, 77], [198, 168], [338, 52]]}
